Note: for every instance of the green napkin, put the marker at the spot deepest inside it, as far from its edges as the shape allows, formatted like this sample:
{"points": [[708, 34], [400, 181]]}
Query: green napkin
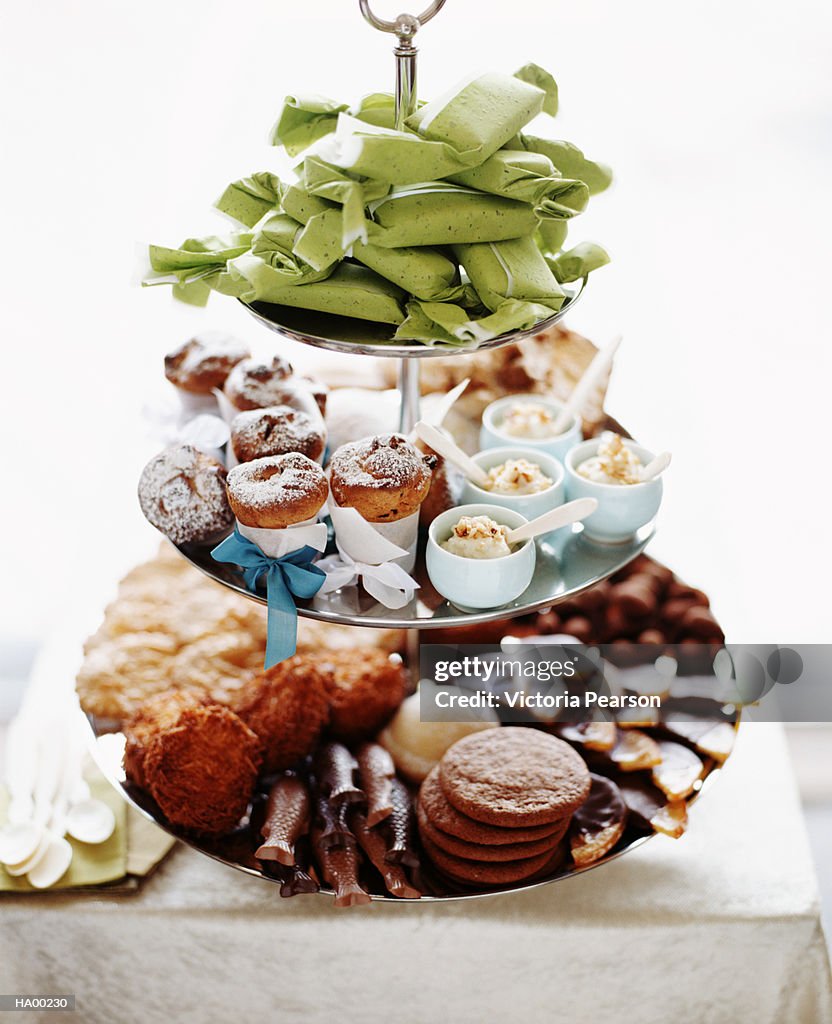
{"points": [[91, 864], [578, 262], [438, 213], [482, 114], [250, 199], [349, 291], [568, 161], [528, 178], [514, 269]]}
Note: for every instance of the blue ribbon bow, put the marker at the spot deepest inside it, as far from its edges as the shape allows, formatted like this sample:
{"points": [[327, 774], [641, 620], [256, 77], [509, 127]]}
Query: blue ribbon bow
{"points": [[292, 574]]}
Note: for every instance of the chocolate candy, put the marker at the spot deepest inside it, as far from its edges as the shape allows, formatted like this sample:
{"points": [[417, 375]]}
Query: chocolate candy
{"points": [[376, 772], [287, 819], [401, 826], [339, 866], [679, 770], [634, 750], [335, 769], [588, 735], [599, 823], [651, 808], [331, 822], [374, 845], [294, 881]]}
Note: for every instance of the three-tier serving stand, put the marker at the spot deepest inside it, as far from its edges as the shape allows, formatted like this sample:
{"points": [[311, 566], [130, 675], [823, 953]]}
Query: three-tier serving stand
{"points": [[567, 562]]}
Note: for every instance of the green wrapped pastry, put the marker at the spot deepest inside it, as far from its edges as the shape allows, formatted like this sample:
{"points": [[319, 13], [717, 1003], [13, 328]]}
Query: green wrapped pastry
{"points": [[439, 213], [528, 178], [422, 272], [275, 243], [321, 242], [194, 268], [577, 262], [514, 269], [481, 114], [248, 200], [302, 205], [331, 183], [303, 120], [349, 291], [448, 323], [568, 161], [383, 154]]}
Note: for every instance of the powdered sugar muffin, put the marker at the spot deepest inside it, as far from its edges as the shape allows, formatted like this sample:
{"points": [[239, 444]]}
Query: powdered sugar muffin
{"points": [[204, 362], [182, 493], [385, 478], [277, 430], [277, 492]]}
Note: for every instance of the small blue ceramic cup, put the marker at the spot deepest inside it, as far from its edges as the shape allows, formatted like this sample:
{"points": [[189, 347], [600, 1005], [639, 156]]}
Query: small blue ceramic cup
{"points": [[478, 582], [529, 505], [493, 434], [622, 508]]}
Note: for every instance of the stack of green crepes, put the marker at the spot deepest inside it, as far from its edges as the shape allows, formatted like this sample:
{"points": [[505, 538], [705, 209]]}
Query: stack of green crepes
{"points": [[451, 230]]}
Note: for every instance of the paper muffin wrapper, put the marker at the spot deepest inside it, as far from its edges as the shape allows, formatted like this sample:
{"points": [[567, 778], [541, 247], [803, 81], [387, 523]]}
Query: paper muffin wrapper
{"points": [[193, 404], [277, 543], [375, 543]]}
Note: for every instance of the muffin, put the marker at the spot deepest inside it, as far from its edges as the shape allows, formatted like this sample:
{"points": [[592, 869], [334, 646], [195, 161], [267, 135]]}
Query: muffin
{"points": [[182, 493], [203, 363], [277, 430], [277, 492], [385, 478]]}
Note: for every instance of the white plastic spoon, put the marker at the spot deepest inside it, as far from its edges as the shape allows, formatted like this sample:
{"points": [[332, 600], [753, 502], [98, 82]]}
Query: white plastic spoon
{"points": [[53, 865], [655, 467], [88, 819], [18, 841], [593, 373], [35, 857], [554, 519], [451, 451]]}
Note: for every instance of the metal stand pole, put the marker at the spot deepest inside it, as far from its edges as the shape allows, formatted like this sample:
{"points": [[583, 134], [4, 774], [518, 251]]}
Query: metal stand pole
{"points": [[405, 28]]}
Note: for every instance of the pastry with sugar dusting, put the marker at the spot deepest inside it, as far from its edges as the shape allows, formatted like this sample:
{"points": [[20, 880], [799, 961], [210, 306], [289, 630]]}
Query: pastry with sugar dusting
{"points": [[385, 478], [182, 493], [203, 362], [276, 492], [277, 430]]}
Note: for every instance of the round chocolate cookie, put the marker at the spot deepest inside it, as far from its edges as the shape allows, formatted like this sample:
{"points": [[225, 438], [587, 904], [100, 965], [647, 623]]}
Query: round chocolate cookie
{"points": [[514, 776], [472, 872], [448, 819], [483, 852]]}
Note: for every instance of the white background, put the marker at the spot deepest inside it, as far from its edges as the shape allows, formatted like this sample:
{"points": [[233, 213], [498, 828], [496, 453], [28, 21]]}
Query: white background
{"points": [[121, 123]]}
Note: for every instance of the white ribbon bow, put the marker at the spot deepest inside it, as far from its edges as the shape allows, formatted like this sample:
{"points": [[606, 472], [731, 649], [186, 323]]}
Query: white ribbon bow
{"points": [[387, 582]]}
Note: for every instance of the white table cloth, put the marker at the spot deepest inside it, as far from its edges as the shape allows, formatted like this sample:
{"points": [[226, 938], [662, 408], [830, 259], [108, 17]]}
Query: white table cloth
{"points": [[720, 926]]}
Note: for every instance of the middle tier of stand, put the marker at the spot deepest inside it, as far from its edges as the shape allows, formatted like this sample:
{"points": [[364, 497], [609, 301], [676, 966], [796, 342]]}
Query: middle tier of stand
{"points": [[567, 564]]}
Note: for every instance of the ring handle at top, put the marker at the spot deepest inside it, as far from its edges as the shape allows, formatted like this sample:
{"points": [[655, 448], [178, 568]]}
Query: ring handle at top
{"points": [[406, 25]]}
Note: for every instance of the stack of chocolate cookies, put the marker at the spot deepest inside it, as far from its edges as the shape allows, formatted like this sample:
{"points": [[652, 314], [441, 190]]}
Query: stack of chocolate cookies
{"points": [[496, 809]]}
